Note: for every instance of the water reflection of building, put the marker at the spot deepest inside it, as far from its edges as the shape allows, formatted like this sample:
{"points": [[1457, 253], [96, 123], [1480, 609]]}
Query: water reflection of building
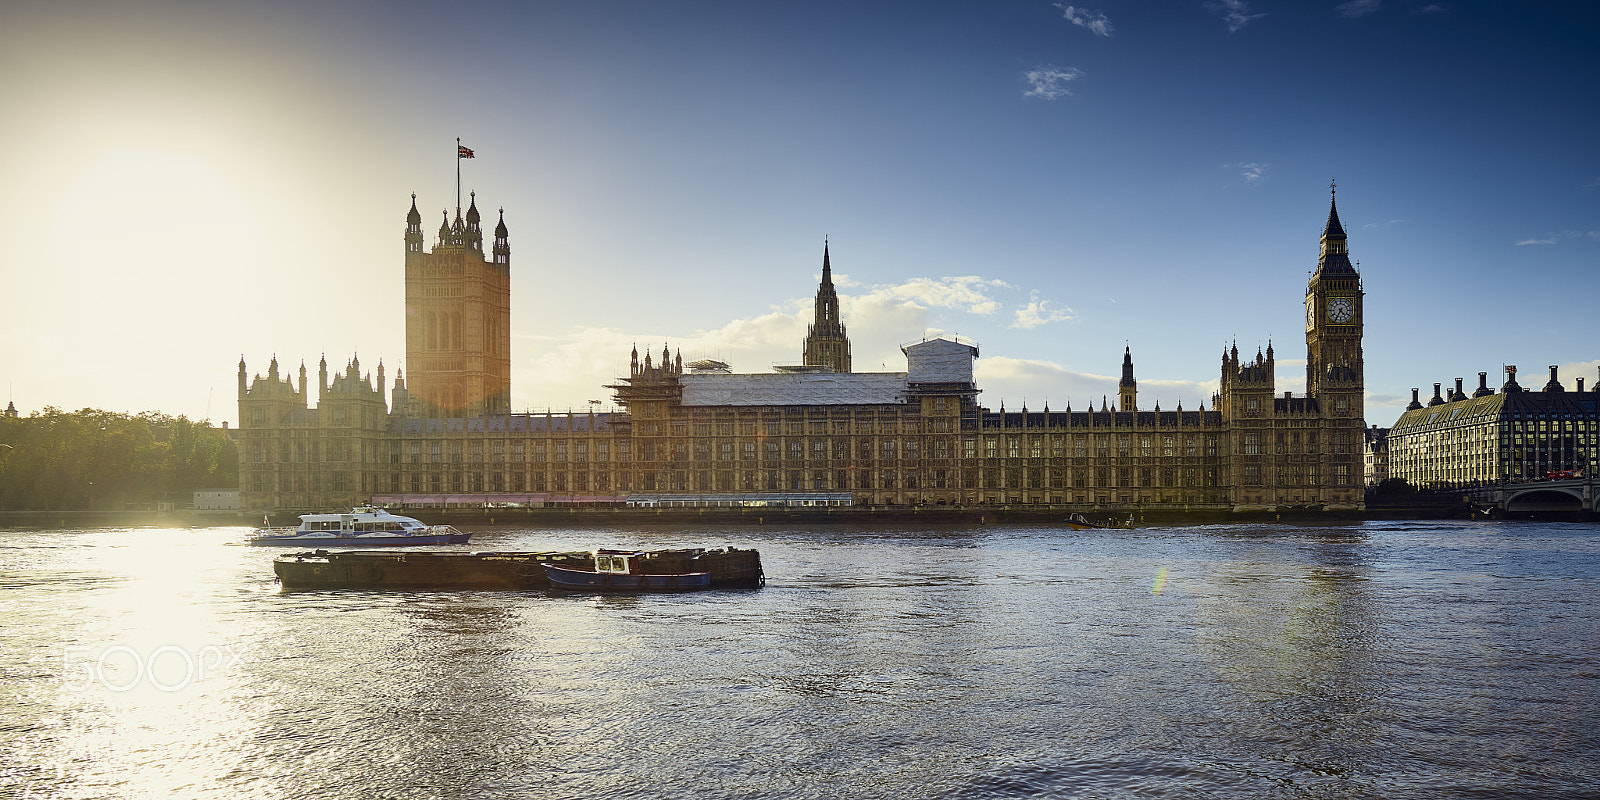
{"points": [[815, 432], [1514, 434]]}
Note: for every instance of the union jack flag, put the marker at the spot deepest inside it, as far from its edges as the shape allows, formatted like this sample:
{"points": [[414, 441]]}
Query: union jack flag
{"points": [[464, 152]]}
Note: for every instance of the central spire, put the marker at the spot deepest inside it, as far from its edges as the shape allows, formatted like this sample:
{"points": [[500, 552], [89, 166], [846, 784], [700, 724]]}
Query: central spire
{"points": [[826, 344]]}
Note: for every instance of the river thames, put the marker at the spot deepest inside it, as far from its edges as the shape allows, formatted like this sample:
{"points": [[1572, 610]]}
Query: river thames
{"points": [[1378, 659]]}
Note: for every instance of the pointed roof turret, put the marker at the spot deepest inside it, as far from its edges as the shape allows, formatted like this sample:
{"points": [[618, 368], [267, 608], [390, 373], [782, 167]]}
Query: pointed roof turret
{"points": [[1333, 228], [500, 229], [1334, 258], [413, 217], [472, 211]]}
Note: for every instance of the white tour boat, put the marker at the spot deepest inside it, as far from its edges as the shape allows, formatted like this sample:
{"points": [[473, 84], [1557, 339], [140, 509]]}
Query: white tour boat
{"points": [[362, 526]]}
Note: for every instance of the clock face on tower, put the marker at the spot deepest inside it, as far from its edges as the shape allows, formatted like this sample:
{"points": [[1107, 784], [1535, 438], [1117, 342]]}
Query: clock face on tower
{"points": [[1341, 309], [1311, 314]]}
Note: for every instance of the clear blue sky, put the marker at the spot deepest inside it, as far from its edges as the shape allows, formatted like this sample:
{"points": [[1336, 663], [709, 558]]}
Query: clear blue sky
{"points": [[189, 182]]}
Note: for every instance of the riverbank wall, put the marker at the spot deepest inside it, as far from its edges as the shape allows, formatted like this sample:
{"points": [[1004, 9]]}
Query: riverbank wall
{"points": [[821, 515]]}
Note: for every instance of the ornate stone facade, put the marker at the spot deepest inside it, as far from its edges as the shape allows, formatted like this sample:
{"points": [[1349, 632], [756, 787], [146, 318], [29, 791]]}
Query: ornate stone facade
{"points": [[458, 318], [917, 437]]}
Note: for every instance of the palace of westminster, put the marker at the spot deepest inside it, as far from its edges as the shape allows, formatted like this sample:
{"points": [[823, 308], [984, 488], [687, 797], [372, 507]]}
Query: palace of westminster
{"points": [[817, 433]]}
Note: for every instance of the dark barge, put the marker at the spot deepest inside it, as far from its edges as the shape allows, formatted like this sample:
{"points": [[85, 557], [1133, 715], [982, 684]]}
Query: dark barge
{"points": [[730, 568]]}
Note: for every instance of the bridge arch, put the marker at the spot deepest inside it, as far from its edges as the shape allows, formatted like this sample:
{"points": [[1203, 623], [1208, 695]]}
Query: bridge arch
{"points": [[1546, 498]]}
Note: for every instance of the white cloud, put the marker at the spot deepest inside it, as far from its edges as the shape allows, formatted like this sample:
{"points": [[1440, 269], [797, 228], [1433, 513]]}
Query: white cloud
{"points": [[1235, 13], [1434, 8], [1355, 9], [1555, 238], [1050, 82], [1594, 184], [1372, 225], [1016, 381], [1589, 371], [1040, 312], [1095, 21], [1252, 171], [964, 293]]}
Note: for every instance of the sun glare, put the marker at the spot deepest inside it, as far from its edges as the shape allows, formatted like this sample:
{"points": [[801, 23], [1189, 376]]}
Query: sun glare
{"points": [[165, 203]]}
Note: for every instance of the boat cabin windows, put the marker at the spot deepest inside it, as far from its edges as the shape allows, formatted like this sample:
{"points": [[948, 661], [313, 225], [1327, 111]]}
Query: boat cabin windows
{"points": [[611, 563]]}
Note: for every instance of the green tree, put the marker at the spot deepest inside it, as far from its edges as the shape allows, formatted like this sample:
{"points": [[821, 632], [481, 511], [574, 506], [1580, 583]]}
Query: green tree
{"points": [[102, 460]]}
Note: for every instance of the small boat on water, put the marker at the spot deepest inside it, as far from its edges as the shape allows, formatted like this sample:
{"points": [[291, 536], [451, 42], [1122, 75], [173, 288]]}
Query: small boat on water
{"points": [[399, 568], [1078, 522], [621, 571], [362, 526]]}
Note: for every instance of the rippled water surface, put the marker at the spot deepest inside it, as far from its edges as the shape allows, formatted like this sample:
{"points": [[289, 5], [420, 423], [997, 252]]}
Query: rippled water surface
{"points": [[1406, 660]]}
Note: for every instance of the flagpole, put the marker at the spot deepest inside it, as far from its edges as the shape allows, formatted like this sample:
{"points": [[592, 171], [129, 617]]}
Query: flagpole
{"points": [[458, 177]]}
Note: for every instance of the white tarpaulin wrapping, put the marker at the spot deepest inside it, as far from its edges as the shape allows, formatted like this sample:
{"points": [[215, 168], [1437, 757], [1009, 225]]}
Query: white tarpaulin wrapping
{"points": [[793, 389], [940, 361]]}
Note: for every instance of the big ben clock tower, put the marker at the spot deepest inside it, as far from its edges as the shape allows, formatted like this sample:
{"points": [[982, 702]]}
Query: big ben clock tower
{"points": [[1335, 315], [1334, 320]]}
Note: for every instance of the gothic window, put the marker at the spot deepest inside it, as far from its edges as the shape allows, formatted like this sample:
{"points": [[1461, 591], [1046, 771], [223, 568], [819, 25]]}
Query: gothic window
{"points": [[1252, 444]]}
